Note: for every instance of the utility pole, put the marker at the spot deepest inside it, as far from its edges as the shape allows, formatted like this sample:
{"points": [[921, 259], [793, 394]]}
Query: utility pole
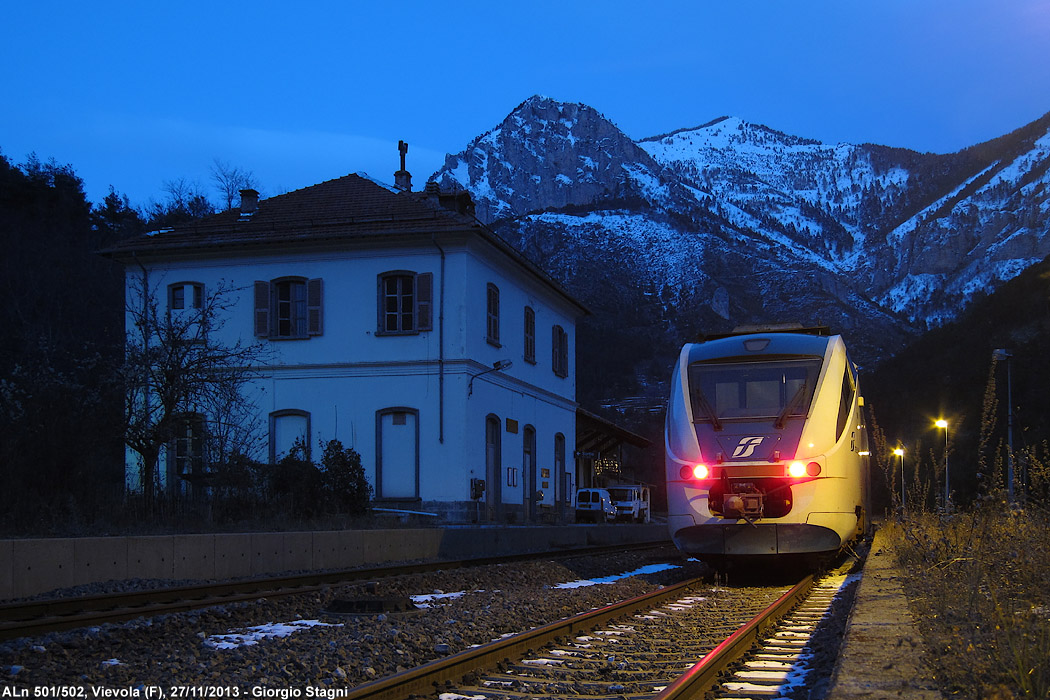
{"points": [[1003, 354]]}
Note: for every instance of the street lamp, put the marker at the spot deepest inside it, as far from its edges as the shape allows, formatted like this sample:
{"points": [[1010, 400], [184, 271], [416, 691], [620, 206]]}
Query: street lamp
{"points": [[900, 453], [941, 423]]}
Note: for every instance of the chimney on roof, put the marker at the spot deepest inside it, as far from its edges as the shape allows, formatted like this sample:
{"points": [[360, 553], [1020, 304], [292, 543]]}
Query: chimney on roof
{"points": [[249, 201], [403, 178], [459, 202]]}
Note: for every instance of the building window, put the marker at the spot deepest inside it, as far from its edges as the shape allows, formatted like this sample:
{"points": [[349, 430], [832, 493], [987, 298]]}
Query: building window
{"points": [[559, 467], [405, 302], [186, 451], [493, 467], [185, 295], [560, 351], [185, 312], [528, 467], [397, 453], [287, 427], [492, 315], [288, 307], [530, 335]]}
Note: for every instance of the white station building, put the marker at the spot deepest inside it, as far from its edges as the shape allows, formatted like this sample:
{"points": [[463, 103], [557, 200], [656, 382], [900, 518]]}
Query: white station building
{"points": [[395, 322]]}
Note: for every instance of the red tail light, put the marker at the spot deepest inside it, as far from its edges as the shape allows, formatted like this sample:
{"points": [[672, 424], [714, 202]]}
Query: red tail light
{"points": [[797, 470], [695, 471]]}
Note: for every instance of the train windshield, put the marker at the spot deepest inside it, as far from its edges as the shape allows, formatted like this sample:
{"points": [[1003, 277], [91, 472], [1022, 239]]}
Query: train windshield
{"points": [[776, 390]]}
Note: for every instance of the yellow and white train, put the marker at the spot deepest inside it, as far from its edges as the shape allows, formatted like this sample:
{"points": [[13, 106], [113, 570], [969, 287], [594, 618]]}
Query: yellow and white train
{"points": [[766, 447]]}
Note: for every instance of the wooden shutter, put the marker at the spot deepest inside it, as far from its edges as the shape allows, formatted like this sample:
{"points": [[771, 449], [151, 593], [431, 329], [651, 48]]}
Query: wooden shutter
{"points": [[555, 355], [314, 304], [560, 351], [425, 301], [563, 353], [262, 309]]}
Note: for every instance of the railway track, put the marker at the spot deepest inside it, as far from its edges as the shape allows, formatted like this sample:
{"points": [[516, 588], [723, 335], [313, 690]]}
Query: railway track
{"points": [[779, 658], [645, 647], [34, 617]]}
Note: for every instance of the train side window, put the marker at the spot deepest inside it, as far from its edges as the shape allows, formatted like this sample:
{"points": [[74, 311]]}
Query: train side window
{"points": [[849, 388]]}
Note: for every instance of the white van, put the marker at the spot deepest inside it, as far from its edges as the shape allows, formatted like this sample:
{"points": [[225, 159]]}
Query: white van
{"points": [[594, 505], [631, 502]]}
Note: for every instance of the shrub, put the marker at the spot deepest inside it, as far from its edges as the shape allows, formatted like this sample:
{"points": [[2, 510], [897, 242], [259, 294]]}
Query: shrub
{"points": [[343, 478], [977, 581]]}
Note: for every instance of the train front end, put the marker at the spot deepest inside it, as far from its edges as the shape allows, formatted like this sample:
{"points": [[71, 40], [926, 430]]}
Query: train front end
{"points": [[766, 448]]}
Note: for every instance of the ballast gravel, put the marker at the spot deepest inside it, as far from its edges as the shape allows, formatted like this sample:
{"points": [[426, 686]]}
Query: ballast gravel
{"points": [[291, 642]]}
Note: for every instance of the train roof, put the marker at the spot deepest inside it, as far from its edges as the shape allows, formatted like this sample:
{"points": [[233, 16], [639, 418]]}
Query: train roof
{"points": [[768, 328], [757, 344]]}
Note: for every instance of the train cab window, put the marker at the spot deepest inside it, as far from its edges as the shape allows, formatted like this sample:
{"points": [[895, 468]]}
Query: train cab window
{"points": [[849, 388], [752, 390]]}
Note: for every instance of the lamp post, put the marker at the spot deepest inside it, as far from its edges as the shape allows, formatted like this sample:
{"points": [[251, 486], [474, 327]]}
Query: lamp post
{"points": [[900, 453], [941, 423], [1002, 354]]}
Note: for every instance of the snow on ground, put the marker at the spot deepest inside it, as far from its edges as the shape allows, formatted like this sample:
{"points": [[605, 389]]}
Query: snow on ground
{"points": [[424, 600], [254, 635], [259, 633], [649, 569]]}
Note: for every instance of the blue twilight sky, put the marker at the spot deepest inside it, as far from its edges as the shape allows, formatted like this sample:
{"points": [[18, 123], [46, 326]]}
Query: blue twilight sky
{"points": [[133, 94]]}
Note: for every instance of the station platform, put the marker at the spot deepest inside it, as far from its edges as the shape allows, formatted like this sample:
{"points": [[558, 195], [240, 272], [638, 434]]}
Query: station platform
{"points": [[32, 566], [882, 654]]}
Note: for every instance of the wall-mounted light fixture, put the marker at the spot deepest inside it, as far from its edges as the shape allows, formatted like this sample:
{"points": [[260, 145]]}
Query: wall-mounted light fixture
{"points": [[497, 366]]}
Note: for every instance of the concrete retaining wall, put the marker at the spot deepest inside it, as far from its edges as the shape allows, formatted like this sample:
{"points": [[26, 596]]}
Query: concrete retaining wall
{"points": [[32, 566]]}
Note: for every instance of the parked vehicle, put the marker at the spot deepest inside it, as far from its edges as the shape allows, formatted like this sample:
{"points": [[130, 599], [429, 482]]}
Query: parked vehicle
{"points": [[594, 505], [631, 502]]}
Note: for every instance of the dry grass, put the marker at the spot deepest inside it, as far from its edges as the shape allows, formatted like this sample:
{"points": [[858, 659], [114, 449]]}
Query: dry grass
{"points": [[979, 587]]}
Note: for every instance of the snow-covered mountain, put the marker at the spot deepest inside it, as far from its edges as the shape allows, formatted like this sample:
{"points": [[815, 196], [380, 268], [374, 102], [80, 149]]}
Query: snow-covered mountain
{"points": [[730, 222]]}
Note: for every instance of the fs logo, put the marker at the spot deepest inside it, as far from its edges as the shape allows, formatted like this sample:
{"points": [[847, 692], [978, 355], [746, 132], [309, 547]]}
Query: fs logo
{"points": [[747, 446]]}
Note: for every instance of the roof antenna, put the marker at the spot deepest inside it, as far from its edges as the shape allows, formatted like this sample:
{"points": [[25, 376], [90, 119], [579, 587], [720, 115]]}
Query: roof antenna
{"points": [[403, 178]]}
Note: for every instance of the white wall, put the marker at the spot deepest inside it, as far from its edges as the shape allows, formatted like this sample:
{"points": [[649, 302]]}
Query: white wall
{"points": [[347, 374]]}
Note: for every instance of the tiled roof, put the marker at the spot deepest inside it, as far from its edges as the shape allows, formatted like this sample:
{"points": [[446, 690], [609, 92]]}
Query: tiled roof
{"points": [[349, 208]]}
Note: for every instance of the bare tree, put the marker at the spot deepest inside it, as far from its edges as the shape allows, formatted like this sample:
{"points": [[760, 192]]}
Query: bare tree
{"points": [[186, 201], [230, 180], [175, 366]]}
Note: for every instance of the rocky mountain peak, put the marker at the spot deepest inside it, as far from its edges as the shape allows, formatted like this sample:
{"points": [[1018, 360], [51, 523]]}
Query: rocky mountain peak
{"points": [[545, 155], [733, 222]]}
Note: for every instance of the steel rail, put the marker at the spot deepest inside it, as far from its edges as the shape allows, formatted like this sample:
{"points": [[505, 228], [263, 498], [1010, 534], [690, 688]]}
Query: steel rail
{"points": [[423, 680], [697, 681], [27, 618]]}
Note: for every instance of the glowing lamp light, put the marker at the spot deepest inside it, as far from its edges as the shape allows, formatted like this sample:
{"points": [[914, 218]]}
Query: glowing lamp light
{"points": [[797, 470], [941, 423], [696, 471]]}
